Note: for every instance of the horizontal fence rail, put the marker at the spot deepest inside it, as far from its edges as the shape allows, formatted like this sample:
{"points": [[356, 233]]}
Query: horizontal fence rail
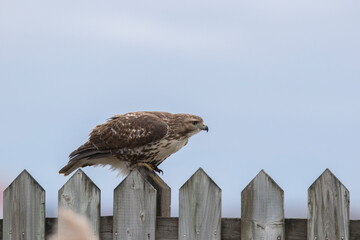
{"points": [[167, 228], [142, 210]]}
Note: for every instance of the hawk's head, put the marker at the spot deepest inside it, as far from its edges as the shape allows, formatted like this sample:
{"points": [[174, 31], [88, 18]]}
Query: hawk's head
{"points": [[189, 125]]}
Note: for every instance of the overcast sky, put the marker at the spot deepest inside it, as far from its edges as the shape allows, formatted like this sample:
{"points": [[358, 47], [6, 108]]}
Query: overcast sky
{"points": [[277, 82]]}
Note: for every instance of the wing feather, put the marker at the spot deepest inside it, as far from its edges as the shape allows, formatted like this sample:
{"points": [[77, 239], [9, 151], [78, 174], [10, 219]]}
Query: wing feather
{"points": [[128, 131]]}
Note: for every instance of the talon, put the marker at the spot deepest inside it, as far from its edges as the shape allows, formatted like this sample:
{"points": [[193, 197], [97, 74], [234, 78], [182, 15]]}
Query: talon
{"points": [[156, 169]]}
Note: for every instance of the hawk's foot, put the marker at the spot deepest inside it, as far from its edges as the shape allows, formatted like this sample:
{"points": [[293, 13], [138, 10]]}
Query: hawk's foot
{"points": [[158, 170], [149, 167]]}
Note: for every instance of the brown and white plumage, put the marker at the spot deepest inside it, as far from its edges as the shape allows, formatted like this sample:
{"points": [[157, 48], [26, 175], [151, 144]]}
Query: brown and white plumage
{"points": [[127, 140]]}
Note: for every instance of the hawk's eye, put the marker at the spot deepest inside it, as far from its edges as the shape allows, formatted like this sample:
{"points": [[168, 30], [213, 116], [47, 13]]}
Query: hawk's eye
{"points": [[195, 122]]}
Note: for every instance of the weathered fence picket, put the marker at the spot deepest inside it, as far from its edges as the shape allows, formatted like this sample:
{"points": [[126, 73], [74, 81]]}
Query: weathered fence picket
{"points": [[24, 209], [262, 209], [142, 209], [328, 209], [82, 196], [200, 208], [134, 208], [163, 192]]}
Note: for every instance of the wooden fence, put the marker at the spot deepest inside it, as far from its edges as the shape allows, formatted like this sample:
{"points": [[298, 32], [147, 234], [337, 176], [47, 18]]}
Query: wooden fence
{"points": [[142, 210]]}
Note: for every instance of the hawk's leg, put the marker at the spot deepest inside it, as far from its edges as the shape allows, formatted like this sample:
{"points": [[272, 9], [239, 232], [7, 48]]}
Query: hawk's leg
{"points": [[146, 165], [150, 167]]}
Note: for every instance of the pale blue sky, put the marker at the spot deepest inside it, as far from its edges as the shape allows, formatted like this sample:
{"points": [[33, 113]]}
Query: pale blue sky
{"points": [[277, 82]]}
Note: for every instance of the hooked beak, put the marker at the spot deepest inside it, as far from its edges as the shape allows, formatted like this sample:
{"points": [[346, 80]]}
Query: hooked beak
{"points": [[205, 128]]}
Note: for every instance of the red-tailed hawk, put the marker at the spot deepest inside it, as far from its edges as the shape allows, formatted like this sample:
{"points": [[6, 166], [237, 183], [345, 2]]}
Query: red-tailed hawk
{"points": [[138, 138]]}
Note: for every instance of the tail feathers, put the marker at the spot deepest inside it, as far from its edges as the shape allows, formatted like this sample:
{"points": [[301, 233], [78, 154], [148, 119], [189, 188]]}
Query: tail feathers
{"points": [[70, 167], [82, 159], [86, 147]]}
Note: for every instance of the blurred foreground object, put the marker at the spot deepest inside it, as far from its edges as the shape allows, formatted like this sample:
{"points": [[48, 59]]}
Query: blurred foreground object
{"points": [[72, 226]]}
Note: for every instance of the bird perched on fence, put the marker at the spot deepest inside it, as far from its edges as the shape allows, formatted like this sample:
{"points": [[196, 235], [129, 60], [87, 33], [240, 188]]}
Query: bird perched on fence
{"points": [[135, 139]]}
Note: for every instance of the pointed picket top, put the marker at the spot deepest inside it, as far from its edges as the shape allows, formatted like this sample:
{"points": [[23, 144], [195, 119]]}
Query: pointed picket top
{"points": [[200, 173], [163, 191], [328, 175], [328, 208], [200, 208], [262, 209], [82, 196], [25, 176], [134, 208], [24, 200], [263, 176]]}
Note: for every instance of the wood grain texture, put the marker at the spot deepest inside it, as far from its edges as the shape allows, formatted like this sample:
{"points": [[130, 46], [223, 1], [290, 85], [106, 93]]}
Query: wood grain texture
{"points": [[163, 205], [230, 228], [167, 228], [295, 229], [200, 208], [262, 209], [82, 196], [50, 226], [134, 208], [328, 208], [24, 209], [106, 228], [354, 229]]}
